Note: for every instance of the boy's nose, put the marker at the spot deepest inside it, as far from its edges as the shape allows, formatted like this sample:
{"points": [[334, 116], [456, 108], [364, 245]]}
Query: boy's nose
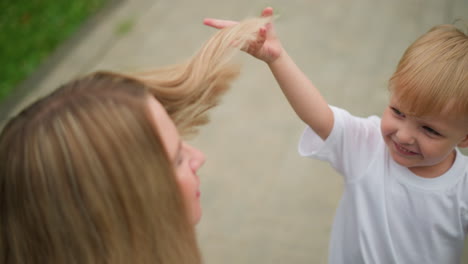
{"points": [[405, 136]]}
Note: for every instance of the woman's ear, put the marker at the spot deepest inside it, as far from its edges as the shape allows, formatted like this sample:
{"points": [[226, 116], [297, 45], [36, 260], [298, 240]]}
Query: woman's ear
{"points": [[464, 142]]}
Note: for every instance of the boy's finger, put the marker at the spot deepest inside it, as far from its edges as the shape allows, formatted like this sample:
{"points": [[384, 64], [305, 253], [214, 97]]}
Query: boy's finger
{"points": [[219, 23], [262, 34], [268, 11], [269, 27]]}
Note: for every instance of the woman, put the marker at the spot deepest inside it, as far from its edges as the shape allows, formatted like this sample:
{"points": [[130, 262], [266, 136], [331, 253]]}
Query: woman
{"points": [[96, 172]]}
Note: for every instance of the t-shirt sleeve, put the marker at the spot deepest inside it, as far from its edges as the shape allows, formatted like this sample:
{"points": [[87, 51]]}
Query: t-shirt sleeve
{"points": [[350, 146]]}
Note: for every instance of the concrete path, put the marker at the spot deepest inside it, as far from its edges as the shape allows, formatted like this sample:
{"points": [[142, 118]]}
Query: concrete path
{"points": [[262, 202]]}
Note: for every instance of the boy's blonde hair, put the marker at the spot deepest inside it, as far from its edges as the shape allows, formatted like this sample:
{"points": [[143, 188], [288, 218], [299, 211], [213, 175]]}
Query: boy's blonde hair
{"points": [[84, 176], [432, 75]]}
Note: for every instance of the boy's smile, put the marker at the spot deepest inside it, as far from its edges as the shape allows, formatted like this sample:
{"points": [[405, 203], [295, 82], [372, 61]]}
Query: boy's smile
{"points": [[425, 145], [401, 150]]}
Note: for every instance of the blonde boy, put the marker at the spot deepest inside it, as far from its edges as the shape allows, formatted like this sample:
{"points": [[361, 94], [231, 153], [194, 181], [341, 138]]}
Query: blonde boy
{"points": [[406, 183]]}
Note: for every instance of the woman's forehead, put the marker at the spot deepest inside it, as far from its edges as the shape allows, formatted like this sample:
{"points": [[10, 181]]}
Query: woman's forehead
{"points": [[164, 126]]}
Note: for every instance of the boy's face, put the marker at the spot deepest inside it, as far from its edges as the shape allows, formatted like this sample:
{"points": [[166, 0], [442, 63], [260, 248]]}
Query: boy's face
{"points": [[426, 144]]}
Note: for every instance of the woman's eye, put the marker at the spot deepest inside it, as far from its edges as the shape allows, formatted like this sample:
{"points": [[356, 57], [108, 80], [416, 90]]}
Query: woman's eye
{"points": [[397, 112], [431, 131], [179, 160]]}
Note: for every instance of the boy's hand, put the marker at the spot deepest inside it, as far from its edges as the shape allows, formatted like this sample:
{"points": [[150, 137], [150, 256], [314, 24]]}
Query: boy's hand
{"points": [[266, 47]]}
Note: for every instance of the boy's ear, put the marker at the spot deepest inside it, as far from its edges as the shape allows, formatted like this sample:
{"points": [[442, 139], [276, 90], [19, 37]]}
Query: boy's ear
{"points": [[463, 143]]}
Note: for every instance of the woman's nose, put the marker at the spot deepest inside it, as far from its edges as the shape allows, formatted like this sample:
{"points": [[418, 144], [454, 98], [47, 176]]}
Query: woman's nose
{"points": [[198, 158]]}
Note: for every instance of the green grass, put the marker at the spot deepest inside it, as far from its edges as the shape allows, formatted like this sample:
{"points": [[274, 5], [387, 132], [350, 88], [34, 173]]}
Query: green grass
{"points": [[30, 30]]}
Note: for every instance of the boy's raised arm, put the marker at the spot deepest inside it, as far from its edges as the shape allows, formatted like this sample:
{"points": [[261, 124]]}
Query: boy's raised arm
{"points": [[303, 96]]}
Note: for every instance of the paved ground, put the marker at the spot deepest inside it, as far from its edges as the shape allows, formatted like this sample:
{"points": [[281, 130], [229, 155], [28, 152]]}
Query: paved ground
{"points": [[262, 202]]}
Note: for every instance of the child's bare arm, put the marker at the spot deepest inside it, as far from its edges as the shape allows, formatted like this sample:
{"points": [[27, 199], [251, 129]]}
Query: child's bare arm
{"points": [[305, 99], [303, 96]]}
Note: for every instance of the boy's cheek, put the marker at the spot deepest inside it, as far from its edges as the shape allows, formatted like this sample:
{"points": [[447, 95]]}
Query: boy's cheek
{"points": [[386, 126]]}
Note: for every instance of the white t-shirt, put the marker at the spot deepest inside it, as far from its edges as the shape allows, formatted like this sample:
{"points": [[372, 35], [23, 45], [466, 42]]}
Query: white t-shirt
{"points": [[387, 214]]}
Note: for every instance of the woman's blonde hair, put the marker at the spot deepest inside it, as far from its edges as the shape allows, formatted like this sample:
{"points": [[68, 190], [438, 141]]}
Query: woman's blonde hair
{"points": [[432, 75], [203, 78], [84, 176]]}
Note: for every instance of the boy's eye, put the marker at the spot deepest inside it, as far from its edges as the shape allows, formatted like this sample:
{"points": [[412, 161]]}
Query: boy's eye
{"points": [[397, 112], [431, 131]]}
